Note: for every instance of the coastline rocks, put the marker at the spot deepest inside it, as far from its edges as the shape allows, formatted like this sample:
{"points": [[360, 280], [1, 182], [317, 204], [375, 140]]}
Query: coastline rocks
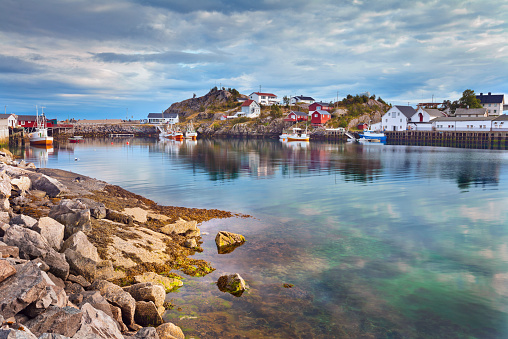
{"points": [[51, 230], [5, 191], [79, 242], [188, 228], [73, 214], [233, 284], [21, 289], [147, 314], [147, 292], [168, 283], [51, 186], [145, 333], [23, 220], [6, 270], [97, 324], [21, 184], [118, 297], [60, 320], [97, 209], [9, 251], [227, 242], [169, 331], [119, 217], [30, 243], [80, 265], [57, 263]]}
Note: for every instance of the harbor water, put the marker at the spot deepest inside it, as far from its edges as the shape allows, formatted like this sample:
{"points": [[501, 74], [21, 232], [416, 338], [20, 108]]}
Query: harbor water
{"points": [[343, 240]]}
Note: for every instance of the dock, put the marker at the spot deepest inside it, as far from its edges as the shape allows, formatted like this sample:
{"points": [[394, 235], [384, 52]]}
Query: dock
{"points": [[121, 135], [487, 139]]}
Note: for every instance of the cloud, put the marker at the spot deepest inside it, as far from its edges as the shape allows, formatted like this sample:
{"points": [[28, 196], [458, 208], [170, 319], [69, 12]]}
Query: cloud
{"points": [[163, 50]]}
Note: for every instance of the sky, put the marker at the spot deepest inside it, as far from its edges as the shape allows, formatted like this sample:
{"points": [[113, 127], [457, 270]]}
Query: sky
{"points": [[96, 59]]}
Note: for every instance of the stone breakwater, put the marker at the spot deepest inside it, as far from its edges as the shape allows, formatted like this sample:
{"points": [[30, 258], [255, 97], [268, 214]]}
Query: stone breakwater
{"points": [[84, 259], [102, 130]]}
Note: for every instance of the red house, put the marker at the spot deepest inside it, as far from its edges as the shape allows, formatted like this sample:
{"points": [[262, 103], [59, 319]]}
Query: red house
{"points": [[27, 121], [296, 116], [320, 106], [363, 126], [320, 117]]}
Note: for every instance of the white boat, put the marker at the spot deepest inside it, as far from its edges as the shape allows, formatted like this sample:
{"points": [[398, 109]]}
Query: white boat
{"points": [[168, 133], [284, 136], [368, 134], [298, 135], [190, 132], [40, 135]]}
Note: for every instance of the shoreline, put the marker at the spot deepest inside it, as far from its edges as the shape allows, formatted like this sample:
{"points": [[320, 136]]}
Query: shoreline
{"points": [[101, 236]]}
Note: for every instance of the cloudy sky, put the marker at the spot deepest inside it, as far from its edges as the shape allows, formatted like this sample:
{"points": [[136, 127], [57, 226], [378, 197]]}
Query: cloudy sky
{"points": [[111, 59]]}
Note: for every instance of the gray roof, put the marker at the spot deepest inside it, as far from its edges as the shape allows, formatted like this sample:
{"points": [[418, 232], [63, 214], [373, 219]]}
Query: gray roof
{"points": [[434, 112], [298, 113], [408, 111], [301, 97], [490, 99], [27, 117], [162, 115], [5, 116], [470, 111], [322, 112], [502, 117], [444, 119]]}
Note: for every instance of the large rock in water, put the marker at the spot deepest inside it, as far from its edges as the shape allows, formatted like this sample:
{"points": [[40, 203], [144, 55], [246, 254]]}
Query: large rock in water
{"points": [[226, 241], [147, 292], [188, 228], [118, 297], [51, 230], [147, 314], [169, 331], [21, 289], [232, 283], [73, 214]]}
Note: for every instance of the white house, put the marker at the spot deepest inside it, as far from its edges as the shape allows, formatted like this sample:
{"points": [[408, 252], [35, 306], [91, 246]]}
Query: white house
{"points": [[494, 104], [500, 124], [397, 118], [465, 124], [471, 112], [264, 98], [422, 119], [163, 118], [301, 98], [11, 119], [250, 109]]}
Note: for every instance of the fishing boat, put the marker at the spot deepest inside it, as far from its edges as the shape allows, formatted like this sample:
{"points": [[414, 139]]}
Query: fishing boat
{"points": [[190, 132], [372, 135], [40, 135], [298, 135], [76, 139], [168, 132]]}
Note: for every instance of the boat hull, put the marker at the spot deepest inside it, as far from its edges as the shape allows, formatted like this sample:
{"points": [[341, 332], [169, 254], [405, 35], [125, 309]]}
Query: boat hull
{"points": [[41, 141], [290, 138]]}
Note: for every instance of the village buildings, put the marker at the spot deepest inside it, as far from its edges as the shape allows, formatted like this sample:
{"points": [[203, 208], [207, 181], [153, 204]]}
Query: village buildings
{"points": [[264, 98], [301, 99], [494, 104]]}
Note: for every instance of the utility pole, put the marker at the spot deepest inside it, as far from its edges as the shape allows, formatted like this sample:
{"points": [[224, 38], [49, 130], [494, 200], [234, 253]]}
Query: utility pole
{"points": [[5, 108]]}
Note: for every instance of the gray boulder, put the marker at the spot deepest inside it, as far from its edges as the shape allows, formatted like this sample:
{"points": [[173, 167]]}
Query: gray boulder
{"points": [[5, 191], [9, 251], [97, 209], [79, 242], [118, 297], [52, 230], [21, 289], [97, 324], [226, 241], [61, 320], [30, 243], [147, 292], [169, 330], [16, 334], [188, 228], [23, 220], [73, 214], [80, 265], [5, 217], [145, 333], [57, 263], [53, 336], [52, 296], [21, 184], [51, 186], [98, 302], [147, 314], [78, 279], [6, 270]]}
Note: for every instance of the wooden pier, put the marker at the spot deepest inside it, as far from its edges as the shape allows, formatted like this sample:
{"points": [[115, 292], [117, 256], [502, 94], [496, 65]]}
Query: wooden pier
{"points": [[488, 139], [121, 135]]}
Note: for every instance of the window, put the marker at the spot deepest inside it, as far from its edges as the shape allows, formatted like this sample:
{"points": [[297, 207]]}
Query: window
{"points": [[489, 105], [495, 110], [400, 120], [398, 114]]}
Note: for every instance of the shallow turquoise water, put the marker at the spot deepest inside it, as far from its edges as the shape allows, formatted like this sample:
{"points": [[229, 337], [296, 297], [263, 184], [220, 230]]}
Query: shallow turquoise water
{"points": [[378, 241]]}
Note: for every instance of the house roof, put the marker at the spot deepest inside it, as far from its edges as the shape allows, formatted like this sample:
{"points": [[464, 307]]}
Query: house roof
{"points": [[434, 112], [267, 94], [502, 117], [444, 119], [490, 99], [470, 111], [5, 116], [27, 117], [301, 97], [298, 113], [327, 104], [163, 115], [408, 111], [248, 103]]}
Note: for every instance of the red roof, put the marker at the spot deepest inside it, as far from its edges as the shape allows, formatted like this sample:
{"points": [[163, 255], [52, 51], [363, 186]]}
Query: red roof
{"points": [[247, 103], [267, 94]]}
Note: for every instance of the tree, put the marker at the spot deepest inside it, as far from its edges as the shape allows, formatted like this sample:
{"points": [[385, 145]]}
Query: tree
{"points": [[285, 100], [469, 100]]}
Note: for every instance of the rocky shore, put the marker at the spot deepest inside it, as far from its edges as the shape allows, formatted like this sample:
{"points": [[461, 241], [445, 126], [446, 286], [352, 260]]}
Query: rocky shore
{"points": [[84, 259]]}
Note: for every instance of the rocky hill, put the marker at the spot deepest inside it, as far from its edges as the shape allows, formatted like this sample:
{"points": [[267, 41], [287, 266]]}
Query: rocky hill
{"points": [[216, 99]]}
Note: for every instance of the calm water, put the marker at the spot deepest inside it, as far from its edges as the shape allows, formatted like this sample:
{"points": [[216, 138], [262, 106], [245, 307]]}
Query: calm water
{"points": [[378, 241]]}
